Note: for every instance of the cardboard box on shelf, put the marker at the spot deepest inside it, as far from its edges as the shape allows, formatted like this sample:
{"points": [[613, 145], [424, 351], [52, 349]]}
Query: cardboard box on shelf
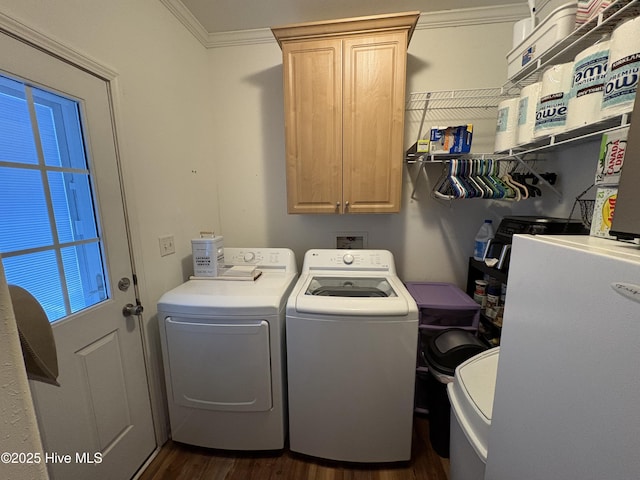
{"points": [[603, 210], [611, 158], [423, 145], [456, 139]]}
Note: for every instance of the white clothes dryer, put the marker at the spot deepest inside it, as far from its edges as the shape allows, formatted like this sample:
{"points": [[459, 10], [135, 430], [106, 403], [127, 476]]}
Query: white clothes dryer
{"points": [[223, 351], [352, 334]]}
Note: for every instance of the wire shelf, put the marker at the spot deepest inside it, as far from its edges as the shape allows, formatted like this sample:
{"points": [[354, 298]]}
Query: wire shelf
{"points": [[479, 98], [587, 34], [482, 103]]}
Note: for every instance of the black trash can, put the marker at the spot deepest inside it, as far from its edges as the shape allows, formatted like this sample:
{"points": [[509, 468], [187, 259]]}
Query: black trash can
{"points": [[445, 351]]}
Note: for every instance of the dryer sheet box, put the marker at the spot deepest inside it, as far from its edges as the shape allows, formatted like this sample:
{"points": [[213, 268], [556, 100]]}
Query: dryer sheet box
{"points": [[456, 139]]}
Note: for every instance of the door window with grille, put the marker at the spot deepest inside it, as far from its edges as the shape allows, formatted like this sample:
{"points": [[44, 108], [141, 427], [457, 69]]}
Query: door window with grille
{"points": [[49, 234]]}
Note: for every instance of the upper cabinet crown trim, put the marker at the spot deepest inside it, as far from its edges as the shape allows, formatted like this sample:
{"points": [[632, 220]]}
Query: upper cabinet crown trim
{"points": [[372, 23]]}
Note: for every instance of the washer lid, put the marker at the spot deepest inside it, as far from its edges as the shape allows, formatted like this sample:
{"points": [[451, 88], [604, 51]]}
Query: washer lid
{"points": [[354, 295], [350, 287]]}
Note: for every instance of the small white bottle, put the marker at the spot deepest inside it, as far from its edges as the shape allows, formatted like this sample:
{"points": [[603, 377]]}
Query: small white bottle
{"points": [[482, 240]]}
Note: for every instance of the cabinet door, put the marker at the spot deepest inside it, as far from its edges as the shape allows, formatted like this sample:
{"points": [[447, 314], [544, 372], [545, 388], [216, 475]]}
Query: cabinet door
{"points": [[373, 117], [313, 125]]}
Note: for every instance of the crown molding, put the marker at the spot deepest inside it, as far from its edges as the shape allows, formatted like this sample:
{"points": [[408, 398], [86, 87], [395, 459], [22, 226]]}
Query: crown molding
{"points": [[465, 17], [187, 19], [50, 45], [239, 37], [429, 20]]}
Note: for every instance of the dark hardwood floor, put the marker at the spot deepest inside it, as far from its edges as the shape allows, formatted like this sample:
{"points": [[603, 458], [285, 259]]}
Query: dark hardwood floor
{"points": [[179, 461]]}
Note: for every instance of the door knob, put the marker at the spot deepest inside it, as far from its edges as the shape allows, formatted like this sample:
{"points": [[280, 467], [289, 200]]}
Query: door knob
{"points": [[131, 309]]}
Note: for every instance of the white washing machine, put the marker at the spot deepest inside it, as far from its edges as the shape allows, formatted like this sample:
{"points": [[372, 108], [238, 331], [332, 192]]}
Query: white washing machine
{"points": [[471, 395], [223, 351], [352, 334]]}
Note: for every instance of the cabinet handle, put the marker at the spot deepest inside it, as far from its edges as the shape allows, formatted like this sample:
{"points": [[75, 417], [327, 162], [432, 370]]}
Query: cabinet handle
{"points": [[337, 204], [346, 204]]}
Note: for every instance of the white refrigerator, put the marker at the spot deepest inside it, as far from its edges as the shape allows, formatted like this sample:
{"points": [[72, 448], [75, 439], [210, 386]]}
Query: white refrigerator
{"points": [[567, 398]]}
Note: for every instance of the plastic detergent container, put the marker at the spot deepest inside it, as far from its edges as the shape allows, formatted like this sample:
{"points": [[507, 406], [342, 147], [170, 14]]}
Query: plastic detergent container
{"points": [[483, 236], [471, 396]]}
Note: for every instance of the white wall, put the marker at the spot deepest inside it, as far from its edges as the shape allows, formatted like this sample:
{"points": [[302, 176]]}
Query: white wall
{"points": [[431, 240]]}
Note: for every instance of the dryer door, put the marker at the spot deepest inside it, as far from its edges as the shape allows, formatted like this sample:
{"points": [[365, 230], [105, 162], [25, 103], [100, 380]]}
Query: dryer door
{"points": [[219, 366]]}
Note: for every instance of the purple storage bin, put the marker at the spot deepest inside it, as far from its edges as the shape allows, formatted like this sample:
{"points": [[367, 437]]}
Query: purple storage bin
{"points": [[444, 305]]}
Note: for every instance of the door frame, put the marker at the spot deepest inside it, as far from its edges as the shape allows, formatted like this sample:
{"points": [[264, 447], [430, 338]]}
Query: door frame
{"points": [[110, 76]]}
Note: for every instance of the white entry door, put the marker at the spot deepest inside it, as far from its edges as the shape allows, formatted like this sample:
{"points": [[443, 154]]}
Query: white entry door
{"points": [[97, 424]]}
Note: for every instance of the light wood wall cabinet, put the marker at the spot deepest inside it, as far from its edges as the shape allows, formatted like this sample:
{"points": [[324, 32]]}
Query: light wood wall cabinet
{"points": [[344, 96]]}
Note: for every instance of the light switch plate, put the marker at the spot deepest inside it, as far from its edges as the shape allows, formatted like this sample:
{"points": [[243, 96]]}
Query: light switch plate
{"points": [[167, 245]]}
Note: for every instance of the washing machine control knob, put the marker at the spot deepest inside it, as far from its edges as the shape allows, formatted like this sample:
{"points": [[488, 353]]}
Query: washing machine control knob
{"points": [[249, 256], [348, 258]]}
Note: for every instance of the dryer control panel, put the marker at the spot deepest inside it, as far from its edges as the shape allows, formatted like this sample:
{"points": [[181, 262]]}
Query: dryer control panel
{"points": [[264, 258]]}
